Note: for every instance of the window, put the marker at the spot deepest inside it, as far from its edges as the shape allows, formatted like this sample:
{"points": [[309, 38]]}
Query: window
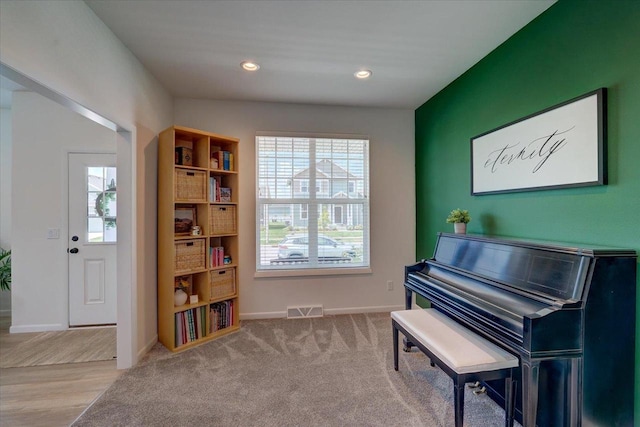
{"points": [[313, 203], [101, 200]]}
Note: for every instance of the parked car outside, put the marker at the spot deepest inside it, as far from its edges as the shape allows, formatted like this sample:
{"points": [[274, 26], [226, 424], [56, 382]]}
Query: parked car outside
{"points": [[297, 246]]}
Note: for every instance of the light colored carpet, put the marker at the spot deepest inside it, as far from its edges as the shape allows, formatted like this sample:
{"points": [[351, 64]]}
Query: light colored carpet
{"points": [[52, 348], [331, 371]]}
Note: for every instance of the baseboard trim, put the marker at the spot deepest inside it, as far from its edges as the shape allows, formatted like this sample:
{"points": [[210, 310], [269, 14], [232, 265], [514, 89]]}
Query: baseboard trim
{"points": [[147, 348], [327, 311], [36, 328], [360, 310], [263, 315]]}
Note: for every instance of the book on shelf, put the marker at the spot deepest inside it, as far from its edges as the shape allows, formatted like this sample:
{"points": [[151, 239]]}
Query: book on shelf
{"points": [[192, 331], [225, 160]]}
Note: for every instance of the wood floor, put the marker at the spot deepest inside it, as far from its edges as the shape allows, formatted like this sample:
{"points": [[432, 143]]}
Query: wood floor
{"points": [[50, 396]]}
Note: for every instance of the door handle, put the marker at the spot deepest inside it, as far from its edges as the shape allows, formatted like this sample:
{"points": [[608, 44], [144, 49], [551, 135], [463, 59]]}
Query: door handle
{"points": [[73, 250]]}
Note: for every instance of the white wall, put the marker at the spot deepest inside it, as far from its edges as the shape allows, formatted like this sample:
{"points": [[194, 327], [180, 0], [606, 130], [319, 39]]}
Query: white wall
{"points": [[65, 47], [5, 196], [391, 132], [43, 134]]}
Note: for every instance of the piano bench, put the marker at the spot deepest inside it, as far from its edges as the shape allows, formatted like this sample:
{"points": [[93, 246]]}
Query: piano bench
{"points": [[459, 352]]}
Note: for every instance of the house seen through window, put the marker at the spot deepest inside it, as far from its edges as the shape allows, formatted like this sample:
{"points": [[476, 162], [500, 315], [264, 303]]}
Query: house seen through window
{"points": [[313, 203]]}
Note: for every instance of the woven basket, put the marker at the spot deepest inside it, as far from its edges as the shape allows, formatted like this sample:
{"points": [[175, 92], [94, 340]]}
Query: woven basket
{"points": [[223, 283], [222, 219], [190, 255], [190, 185]]}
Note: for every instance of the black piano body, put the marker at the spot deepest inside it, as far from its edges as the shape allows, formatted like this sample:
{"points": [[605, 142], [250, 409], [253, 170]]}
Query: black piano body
{"points": [[567, 312]]}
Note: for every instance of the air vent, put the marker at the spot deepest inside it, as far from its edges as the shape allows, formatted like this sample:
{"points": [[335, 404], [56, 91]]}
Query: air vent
{"points": [[307, 311]]}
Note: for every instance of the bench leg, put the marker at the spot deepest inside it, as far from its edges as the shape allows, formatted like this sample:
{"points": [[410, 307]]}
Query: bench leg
{"points": [[458, 402], [395, 348]]}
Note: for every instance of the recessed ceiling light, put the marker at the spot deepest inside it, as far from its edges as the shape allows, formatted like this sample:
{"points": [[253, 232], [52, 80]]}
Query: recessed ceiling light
{"points": [[363, 74], [249, 66]]}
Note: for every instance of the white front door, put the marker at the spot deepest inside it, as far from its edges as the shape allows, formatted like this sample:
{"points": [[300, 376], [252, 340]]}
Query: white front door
{"points": [[92, 239]]}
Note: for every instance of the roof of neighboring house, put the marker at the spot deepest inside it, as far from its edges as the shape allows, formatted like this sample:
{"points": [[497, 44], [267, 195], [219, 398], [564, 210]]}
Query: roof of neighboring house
{"points": [[325, 168]]}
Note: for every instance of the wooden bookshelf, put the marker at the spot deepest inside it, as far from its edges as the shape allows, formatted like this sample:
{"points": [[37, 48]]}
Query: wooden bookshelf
{"points": [[194, 190]]}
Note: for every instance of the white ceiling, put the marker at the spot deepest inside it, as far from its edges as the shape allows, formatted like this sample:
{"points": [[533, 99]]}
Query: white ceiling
{"points": [[309, 50]]}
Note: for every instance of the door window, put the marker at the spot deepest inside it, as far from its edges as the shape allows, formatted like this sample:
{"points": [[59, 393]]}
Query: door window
{"points": [[102, 205]]}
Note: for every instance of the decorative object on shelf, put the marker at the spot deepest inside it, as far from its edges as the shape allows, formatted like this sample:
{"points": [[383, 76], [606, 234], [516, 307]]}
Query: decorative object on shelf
{"points": [[459, 218], [227, 259], [196, 231], [184, 156], [180, 294], [193, 299], [559, 147], [184, 220], [179, 297], [225, 194]]}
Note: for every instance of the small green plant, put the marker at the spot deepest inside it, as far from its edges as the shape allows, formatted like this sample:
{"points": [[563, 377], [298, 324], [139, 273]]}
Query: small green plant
{"points": [[5, 270], [459, 215]]}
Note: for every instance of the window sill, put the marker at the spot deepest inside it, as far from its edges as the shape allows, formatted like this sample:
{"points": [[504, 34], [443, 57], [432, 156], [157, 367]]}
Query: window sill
{"points": [[313, 272]]}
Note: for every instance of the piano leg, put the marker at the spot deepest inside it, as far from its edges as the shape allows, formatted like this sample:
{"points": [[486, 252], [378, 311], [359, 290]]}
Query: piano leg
{"points": [[530, 373], [510, 400], [408, 297]]}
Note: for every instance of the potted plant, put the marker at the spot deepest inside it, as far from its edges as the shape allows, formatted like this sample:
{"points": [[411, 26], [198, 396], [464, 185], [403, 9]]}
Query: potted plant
{"points": [[459, 218], [5, 270]]}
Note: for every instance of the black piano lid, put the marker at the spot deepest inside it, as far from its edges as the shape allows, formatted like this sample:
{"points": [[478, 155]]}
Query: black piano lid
{"points": [[582, 249], [546, 269]]}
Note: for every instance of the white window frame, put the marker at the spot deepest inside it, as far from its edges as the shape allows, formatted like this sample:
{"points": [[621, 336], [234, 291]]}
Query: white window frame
{"points": [[312, 202]]}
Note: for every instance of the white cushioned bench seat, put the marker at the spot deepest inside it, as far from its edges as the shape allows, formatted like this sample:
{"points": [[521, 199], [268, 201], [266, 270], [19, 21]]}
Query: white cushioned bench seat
{"points": [[461, 349], [459, 352]]}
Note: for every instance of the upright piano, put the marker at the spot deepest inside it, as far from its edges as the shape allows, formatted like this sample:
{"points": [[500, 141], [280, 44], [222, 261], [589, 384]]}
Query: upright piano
{"points": [[567, 312]]}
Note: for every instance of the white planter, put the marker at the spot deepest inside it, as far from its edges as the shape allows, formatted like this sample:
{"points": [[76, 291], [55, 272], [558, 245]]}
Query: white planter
{"points": [[460, 228], [180, 297]]}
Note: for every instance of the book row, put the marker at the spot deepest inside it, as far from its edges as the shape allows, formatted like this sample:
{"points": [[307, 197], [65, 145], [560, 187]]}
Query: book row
{"points": [[217, 258], [191, 325], [222, 160], [217, 193], [221, 315]]}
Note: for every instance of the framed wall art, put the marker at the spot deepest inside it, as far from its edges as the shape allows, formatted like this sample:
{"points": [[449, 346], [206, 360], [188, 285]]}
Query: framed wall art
{"points": [[559, 147], [184, 219]]}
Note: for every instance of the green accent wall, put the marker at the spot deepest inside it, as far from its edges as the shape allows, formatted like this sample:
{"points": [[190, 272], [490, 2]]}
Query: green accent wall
{"points": [[572, 48]]}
